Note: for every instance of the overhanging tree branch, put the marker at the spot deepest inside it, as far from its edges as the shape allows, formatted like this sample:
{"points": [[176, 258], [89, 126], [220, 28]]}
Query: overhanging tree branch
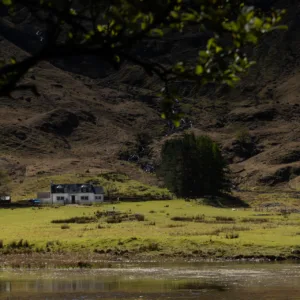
{"points": [[111, 30]]}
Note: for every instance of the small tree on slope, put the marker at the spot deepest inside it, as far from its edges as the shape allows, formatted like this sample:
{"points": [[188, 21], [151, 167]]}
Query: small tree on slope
{"points": [[193, 167]]}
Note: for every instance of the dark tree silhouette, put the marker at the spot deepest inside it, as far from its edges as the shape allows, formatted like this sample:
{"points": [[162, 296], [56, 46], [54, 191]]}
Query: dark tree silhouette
{"points": [[112, 30], [193, 167]]}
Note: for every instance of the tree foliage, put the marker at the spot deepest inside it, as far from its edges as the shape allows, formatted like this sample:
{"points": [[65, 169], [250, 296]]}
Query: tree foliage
{"points": [[193, 166], [110, 190], [112, 30]]}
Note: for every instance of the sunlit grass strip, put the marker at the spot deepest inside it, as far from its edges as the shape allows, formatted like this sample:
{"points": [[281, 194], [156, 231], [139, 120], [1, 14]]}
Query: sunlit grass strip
{"points": [[202, 231]]}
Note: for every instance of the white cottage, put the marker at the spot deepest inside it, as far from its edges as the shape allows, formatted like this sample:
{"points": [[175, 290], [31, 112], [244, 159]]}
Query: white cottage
{"points": [[74, 194]]}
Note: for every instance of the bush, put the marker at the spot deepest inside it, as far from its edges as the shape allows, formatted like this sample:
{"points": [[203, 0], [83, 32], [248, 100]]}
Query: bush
{"points": [[99, 226], [65, 226], [113, 219], [21, 244], [193, 167], [139, 217], [84, 265], [78, 220], [255, 220], [153, 247], [232, 235], [198, 218], [222, 219], [243, 136], [182, 218]]}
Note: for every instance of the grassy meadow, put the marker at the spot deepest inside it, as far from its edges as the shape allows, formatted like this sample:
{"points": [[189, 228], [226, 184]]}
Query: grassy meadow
{"points": [[168, 228]]}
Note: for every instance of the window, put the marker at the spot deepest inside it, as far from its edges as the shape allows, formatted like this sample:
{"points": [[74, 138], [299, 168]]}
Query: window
{"points": [[97, 197], [58, 198], [84, 197]]}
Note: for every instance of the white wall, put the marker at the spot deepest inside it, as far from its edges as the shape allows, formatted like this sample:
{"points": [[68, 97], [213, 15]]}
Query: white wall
{"points": [[68, 198]]}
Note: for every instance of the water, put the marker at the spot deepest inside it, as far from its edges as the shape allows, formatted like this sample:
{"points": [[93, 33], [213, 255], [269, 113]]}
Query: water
{"points": [[187, 281]]}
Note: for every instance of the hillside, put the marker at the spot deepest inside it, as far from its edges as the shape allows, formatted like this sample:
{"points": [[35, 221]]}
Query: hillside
{"points": [[86, 115]]}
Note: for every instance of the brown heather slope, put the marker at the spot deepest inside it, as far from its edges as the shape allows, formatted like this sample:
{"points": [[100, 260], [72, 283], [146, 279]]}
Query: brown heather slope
{"points": [[79, 124], [73, 126]]}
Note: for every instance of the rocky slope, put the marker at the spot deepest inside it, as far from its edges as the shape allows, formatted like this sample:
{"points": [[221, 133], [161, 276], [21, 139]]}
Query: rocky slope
{"points": [[81, 123]]}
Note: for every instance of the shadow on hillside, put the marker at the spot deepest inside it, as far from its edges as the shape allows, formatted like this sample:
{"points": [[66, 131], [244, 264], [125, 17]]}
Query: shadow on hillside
{"points": [[224, 200]]}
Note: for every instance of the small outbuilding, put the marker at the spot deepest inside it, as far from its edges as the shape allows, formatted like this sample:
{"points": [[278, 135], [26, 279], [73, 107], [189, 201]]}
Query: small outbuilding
{"points": [[5, 199]]}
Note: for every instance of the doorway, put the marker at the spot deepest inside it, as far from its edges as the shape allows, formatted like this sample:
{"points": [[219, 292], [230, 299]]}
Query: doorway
{"points": [[73, 199]]}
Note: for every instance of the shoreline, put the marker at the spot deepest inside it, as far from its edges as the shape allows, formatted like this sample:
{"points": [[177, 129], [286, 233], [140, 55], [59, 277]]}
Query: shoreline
{"points": [[38, 261]]}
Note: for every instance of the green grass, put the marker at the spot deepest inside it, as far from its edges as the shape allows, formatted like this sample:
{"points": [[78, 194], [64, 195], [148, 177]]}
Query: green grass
{"points": [[199, 230], [124, 186]]}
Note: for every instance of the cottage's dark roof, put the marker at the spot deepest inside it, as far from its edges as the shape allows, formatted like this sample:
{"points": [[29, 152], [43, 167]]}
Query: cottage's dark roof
{"points": [[99, 190], [76, 188]]}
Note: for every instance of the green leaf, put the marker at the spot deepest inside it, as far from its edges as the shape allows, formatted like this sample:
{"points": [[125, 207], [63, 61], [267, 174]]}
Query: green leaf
{"points": [[252, 38], [218, 49], [176, 123], [188, 17], [179, 67], [199, 70], [73, 12], [101, 28], [279, 27], [117, 58], [7, 2], [157, 31], [211, 43], [258, 23], [174, 14]]}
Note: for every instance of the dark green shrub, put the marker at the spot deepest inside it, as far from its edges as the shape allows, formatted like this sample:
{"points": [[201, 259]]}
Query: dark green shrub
{"points": [[21, 244], [65, 226], [139, 217], [113, 219], [199, 218], [193, 167], [255, 220], [183, 219], [153, 247], [84, 265], [222, 219], [78, 220]]}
